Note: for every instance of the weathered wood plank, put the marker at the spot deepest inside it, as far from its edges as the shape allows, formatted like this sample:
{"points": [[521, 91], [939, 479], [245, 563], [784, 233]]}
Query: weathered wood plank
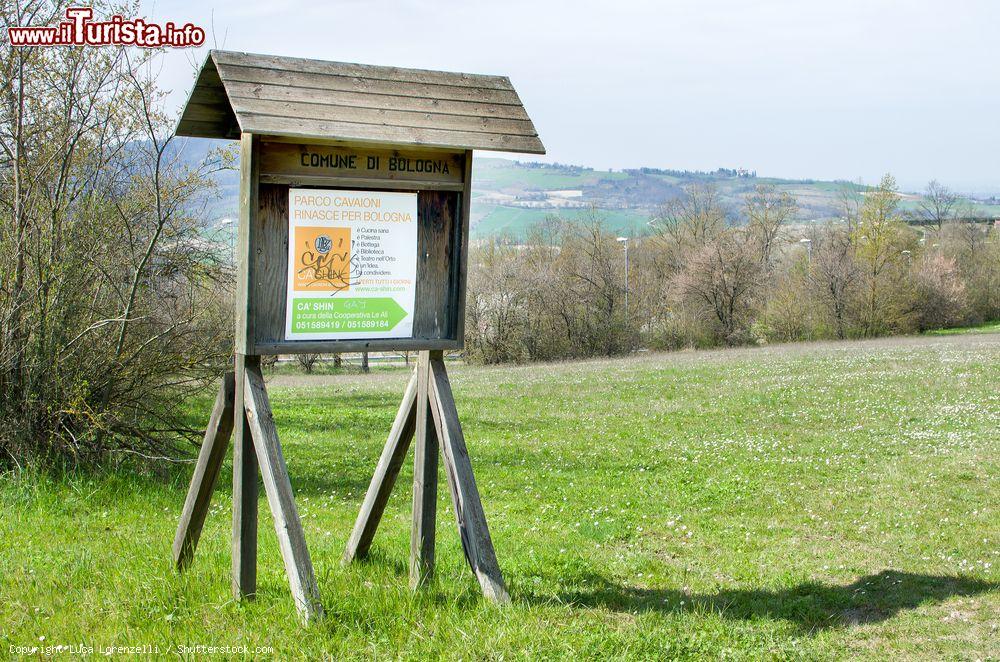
{"points": [[383, 134], [369, 71], [434, 312], [425, 471], [367, 99], [312, 110], [209, 75], [302, 79], [287, 525], [246, 243], [353, 162], [198, 129], [270, 265], [462, 246], [245, 491], [216, 112], [384, 479], [313, 99], [320, 181], [471, 518], [327, 346], [209, 94], [206, 474]]}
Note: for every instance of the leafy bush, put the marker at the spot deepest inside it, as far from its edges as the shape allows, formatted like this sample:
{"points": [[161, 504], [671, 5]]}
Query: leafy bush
{"points": [[114, 307]]}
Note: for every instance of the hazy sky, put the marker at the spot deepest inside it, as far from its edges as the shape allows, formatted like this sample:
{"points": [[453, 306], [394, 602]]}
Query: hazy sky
{"points": [[797, 88]]}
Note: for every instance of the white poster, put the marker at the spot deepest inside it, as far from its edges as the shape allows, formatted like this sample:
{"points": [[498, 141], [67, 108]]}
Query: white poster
{"points": [[352, 264]]}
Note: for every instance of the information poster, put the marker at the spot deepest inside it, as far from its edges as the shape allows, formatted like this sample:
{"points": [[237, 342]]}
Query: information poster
{"points": [[352, 264]]}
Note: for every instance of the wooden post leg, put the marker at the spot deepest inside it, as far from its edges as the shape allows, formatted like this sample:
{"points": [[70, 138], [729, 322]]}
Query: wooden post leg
{"points": [[244, 579], [206, 473], [288, 526], [472, 525], [385, 476], [425, 468]]}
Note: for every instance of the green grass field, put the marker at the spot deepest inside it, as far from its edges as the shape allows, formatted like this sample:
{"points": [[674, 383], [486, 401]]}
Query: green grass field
{"points": [[514, 222], [988, 327], [500, 174], [813, 501]]}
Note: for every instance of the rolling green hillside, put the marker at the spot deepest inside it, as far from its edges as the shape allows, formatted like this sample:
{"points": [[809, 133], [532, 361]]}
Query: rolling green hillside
{"points": [[509, 197], [501, 221]]}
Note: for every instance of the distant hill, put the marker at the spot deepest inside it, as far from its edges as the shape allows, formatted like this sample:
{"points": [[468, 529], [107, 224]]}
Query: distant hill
{"points": [[511, 196]]}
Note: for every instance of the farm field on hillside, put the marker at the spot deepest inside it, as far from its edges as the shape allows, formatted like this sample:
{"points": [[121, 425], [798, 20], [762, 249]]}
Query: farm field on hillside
{"points": [[807, 501], [515, 222]]}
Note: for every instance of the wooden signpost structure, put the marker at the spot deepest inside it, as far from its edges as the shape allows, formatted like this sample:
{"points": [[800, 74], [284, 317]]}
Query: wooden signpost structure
{"points": [[355, 189]]}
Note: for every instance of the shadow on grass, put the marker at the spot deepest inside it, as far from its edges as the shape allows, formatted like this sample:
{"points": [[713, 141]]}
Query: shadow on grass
{"points": [[380, 560], [810, 605]]}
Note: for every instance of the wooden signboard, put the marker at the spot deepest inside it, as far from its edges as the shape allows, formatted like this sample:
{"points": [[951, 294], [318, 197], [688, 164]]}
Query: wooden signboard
{"points": [[355, 191], [439, 185]]}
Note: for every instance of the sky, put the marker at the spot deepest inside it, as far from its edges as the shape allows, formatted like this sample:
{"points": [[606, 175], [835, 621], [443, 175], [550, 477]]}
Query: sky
{"points": [[838, 89]]}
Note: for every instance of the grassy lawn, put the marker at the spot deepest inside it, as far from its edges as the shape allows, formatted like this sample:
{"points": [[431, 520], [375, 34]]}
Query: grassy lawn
{"points": [[835, 500], [988, 327]]}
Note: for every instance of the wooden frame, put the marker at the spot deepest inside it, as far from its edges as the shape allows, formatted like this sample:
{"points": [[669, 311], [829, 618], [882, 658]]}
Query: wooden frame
{"points": [[307, 123], [427, 414], [443, 210], [428, 417]]}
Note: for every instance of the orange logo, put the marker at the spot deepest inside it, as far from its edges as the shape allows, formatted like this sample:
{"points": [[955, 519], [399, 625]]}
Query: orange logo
{"points": [[322, 259]]}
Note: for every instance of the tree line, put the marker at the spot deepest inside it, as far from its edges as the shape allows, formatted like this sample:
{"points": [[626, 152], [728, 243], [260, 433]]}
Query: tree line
{"points": [[696, 280]]}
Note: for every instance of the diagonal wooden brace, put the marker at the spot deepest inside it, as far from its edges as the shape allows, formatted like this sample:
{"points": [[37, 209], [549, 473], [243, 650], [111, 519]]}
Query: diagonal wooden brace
{"points": [[385, 476], [428, 396], [472, 527], [287, 525], [206, 473]]}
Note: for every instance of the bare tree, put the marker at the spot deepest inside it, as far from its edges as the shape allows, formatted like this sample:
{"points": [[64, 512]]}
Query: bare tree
{"points": [[725, 276], [113, 306], [494, 330], [307, 362], [937, 206], [767, 211], [938, 294], [693, 219], [596, 270], [850, 198], [834, 273]]}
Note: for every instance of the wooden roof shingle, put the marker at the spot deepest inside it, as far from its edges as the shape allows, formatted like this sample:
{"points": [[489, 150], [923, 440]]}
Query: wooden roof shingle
{"points": [[294, 97]]}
